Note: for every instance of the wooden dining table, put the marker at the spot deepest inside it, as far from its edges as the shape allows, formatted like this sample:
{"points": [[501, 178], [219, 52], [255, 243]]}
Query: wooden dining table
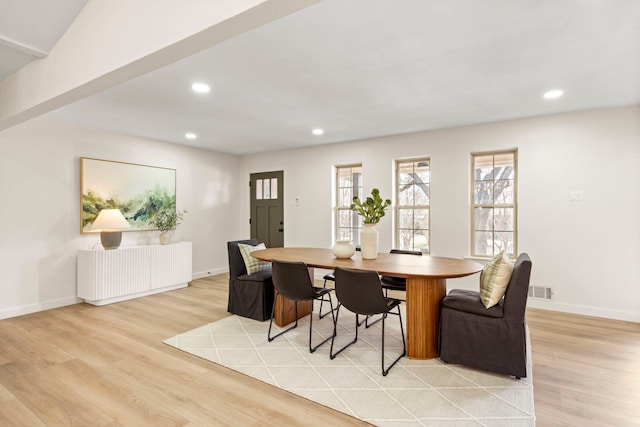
{"points": [[426, 285]]}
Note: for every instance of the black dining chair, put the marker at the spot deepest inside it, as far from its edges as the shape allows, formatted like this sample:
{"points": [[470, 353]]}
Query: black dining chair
{"points": [[331, 278], [291, 280], [360, 292], [392, 283]]}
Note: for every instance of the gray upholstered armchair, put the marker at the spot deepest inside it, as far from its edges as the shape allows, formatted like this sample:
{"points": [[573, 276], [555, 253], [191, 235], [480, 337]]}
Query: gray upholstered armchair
{"points": [[250, 295], [490, 339]]}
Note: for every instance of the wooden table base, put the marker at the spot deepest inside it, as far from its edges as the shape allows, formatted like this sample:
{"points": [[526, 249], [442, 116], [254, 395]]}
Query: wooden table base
{"points": [[423, 316], [286, 310]]}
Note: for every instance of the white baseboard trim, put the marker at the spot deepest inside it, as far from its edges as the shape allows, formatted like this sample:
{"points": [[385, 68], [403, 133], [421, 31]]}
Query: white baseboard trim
{"points": [[34, 308], [62, 302], [584, 310], [627, 316], [212, 272]]}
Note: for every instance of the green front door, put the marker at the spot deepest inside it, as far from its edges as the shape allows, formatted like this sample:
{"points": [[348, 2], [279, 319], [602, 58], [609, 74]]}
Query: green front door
{"points": [[267, 208]]}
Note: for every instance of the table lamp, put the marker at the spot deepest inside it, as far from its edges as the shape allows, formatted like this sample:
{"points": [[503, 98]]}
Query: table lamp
{"points": [[109, 222]]}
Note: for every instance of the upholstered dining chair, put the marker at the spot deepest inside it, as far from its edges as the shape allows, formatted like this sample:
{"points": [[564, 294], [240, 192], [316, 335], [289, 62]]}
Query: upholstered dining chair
{"points": [[492, 339], [392, 283], [250, 295], [360, 292], [291, 280]]}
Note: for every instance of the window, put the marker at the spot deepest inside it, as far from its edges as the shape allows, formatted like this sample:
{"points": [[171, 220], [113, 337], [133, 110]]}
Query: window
{"points": [[267, 189], [494, 207], [348, 185], [412, 204]]}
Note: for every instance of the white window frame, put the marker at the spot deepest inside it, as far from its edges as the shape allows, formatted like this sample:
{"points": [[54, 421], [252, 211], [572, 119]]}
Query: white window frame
{"points": [[492, 204], [400, 207], [345, 207]]}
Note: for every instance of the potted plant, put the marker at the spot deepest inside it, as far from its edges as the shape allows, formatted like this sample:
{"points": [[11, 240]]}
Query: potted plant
{"points": [[165, 221], [371, 210]]}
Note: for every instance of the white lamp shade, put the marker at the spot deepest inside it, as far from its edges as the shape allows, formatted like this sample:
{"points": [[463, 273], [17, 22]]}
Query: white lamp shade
{"points": [[110, 219]]}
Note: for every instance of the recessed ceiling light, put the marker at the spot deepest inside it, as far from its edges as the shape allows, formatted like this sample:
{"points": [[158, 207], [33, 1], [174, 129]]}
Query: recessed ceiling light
{"points": [[190, 135], [317, 132], [200, 87], [553, 94]]}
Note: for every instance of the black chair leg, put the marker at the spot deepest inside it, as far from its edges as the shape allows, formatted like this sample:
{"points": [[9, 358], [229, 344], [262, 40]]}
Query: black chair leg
{"points": [[366, 321], [404, 344], [333, 355], [312, 349], [271, 338], [320, 315]]}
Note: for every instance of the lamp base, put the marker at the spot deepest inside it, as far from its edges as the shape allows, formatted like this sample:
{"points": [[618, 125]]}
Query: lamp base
{"points": [[110, 239]]}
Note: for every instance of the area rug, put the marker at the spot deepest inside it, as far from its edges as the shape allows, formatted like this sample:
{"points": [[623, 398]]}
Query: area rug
{"points": [[414, 393]]}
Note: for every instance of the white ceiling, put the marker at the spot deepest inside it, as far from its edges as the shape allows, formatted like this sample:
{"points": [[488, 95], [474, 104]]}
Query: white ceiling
{"points": [[366, 68]]}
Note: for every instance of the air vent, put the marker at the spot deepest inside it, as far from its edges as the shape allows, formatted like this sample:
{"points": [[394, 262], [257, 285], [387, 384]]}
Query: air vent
{"points": [[540, 292]]}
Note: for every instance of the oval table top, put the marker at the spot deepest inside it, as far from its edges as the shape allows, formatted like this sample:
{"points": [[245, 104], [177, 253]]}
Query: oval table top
{"points": [[400, 265]]}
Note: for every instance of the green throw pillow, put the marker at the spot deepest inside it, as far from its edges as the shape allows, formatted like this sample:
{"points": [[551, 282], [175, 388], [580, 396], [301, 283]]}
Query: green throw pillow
{"points": [[253, 264], [494, 279]]}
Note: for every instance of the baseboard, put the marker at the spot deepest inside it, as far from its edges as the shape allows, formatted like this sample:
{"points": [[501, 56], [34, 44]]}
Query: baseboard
{"points": [[62, 302], [584, 310], [34, 308], [627, 316], [211, 272]]}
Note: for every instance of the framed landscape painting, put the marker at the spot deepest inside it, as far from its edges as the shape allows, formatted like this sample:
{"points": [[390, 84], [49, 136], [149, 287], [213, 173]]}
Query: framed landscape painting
{"points": [[139, 191]]}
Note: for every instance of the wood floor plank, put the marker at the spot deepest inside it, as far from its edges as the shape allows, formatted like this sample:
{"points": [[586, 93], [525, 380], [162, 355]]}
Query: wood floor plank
{"points": [[31, 348], [13, 413], [585, 369], [126, 401], [5, 395], [50, 400], [107, 366]]}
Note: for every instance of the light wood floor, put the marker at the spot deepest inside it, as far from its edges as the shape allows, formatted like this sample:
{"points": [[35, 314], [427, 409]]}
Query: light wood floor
{"points": [[106, 366]]}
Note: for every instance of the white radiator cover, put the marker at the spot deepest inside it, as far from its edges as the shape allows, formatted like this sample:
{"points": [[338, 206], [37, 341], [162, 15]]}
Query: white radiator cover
{"points": [[106, 276]]}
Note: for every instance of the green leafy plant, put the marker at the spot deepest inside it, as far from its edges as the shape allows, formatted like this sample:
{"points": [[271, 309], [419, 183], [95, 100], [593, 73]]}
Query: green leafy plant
{"points": [[167, 219], [372, 209]]}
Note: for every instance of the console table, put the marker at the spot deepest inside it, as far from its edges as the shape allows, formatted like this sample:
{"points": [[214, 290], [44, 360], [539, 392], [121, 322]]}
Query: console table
{"points": [[107, 276]]}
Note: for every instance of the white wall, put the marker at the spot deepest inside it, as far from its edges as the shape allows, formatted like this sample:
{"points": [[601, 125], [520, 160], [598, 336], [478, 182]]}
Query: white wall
{"points": [[586, 251], [596, 152], [40, 215]]}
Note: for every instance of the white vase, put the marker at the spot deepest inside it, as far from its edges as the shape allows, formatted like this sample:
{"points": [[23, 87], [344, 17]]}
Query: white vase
{"points": [[165, 238], [343, 249], [369, 241]]}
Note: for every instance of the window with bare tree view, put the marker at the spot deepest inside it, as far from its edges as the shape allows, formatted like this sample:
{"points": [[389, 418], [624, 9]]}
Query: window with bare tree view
{"points": [[494, 215], [348, 185], [412, 204]]}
